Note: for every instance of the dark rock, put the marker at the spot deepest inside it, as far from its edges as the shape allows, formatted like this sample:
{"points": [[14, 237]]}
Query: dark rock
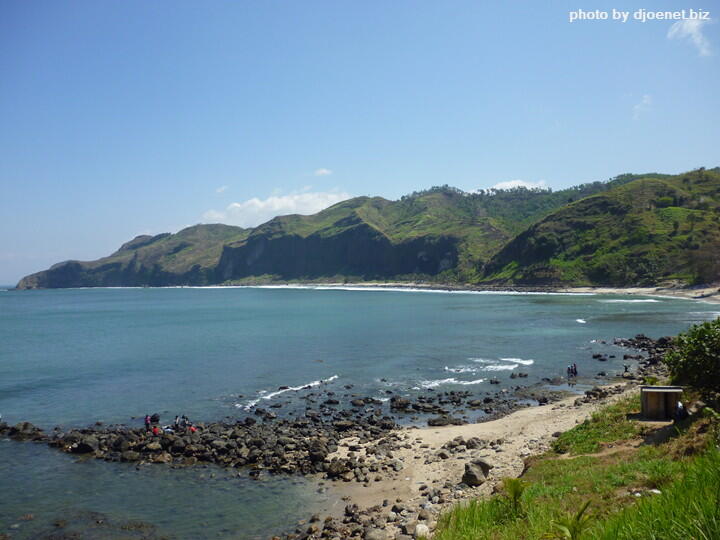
{"points": [[86, 445], [476, 472]]}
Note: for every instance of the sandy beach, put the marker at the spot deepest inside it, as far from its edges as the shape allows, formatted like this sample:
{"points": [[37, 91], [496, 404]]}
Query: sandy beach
{"points": [[705, 293], [427, 464]]}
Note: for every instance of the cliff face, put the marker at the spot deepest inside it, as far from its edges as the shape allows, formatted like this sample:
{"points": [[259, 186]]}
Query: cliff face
{"points": [[358, 251], [186, 258]]}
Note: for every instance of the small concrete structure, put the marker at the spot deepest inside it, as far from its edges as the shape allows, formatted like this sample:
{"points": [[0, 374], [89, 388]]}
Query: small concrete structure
{"points": [[659, 402]]}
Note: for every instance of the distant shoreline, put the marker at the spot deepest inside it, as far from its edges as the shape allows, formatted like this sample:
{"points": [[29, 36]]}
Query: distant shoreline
{"points": [[705, 293]]}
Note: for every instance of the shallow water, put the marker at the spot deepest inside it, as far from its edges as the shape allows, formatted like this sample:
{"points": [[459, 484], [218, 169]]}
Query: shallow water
{"points": [[72, 357]]}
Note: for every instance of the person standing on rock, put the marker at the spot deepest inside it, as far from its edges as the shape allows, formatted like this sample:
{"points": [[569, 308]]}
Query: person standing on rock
{"points": [[147, 422]]}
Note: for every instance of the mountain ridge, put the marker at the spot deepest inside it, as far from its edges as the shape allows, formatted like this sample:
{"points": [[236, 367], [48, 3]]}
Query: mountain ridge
{"points": [[518, 236]]}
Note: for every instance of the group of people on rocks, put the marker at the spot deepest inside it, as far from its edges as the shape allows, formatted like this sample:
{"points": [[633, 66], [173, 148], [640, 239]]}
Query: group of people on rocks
{"points": [[181, 423], [572, 371]]}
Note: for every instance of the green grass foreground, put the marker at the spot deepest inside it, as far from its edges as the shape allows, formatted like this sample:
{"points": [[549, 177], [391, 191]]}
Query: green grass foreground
{"points": [[600, 486]]}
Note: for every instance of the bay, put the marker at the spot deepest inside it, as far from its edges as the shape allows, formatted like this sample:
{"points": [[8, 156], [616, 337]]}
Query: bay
{"points": [[73, 357]]}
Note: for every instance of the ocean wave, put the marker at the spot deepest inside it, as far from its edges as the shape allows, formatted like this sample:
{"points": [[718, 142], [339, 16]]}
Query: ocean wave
{"points": [[264, 393], [390, 288], [461, 369], [450, 380], [528, 362], [628, 301], [500, 367], [510, 363]]}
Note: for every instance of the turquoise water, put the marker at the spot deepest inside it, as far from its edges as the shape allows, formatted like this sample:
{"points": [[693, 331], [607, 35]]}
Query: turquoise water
{"points": [[73, 357]]}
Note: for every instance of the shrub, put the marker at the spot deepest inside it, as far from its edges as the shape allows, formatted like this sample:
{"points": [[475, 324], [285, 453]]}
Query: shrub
{"points": [[695, 360]]}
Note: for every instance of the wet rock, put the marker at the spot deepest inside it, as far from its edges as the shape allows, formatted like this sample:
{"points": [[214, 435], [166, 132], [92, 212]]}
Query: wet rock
{"points": [[399, 403], [25, 431], [445, 421], [130, 455], [86, 445]]}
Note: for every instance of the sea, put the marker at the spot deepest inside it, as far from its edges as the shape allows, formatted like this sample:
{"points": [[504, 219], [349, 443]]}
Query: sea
{"points": [[73, 357]]}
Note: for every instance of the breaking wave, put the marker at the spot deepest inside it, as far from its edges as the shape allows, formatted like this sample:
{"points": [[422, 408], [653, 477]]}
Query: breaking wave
{"points": [[507, 364], [461, 369], [450, 380], [264, 395], [628, 301]]}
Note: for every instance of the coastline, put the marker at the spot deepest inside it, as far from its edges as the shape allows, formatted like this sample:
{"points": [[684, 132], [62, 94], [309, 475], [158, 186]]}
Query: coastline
{"points": [[709, 293], [706, 293], [433, 459]]}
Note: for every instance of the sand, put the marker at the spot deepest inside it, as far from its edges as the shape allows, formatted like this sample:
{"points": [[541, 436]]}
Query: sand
{"points": [[706, 293], [521, 434]]}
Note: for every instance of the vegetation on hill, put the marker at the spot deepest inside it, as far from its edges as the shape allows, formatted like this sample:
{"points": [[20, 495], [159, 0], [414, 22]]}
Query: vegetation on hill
{"points": [[633, 229], [187, 257], [641, 233], [695, 359]]}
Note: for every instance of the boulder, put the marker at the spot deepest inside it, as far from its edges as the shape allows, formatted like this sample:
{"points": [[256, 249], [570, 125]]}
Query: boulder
{"points": [[86, 445], [317, 451], [375, 534], [24, 431], [476, 472], [130, 455]]}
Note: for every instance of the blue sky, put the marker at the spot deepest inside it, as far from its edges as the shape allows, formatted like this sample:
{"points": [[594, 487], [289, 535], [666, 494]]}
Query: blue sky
{"points": [[132, 117]]}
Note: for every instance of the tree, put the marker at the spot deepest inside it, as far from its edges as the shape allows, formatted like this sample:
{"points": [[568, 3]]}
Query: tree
{"points": [[695, 359]]}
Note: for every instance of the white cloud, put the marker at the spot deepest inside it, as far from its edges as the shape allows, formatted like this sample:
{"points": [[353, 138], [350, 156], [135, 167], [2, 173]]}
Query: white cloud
{"points": [[642, 106], [519, 183], [691, 29], [255, 211], [322, 172], [221, 189], [214, 215]]}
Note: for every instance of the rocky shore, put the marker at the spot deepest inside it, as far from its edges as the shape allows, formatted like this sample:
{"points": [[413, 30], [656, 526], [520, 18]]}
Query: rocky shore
{"points": [[385, 480]]}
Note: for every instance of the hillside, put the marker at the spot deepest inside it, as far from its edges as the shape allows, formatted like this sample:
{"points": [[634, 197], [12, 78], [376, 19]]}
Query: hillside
{"points": [[616, 232], [187, 257], [650, 230]]}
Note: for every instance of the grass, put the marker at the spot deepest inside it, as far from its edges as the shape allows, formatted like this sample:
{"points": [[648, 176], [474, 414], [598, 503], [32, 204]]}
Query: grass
{"points": [[610, 424], [688, 508], [592, 496]]}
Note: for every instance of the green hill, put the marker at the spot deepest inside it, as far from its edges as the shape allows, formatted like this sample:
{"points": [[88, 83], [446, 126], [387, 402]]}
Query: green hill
{"points": [[187, 257], [621, 231], [650, 230]]}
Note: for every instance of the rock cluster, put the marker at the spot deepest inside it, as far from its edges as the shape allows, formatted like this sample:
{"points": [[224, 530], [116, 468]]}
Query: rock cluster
{"points": [[283, 446]]}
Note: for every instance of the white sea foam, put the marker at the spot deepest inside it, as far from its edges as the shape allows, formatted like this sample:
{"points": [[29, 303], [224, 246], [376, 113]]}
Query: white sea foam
{"points": [[528, 362], [500, 367], [264, 393], [628, 301], [450, 380], [378, 288], [508, 365], [581, 321], [482, 360], [461, 369]]}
